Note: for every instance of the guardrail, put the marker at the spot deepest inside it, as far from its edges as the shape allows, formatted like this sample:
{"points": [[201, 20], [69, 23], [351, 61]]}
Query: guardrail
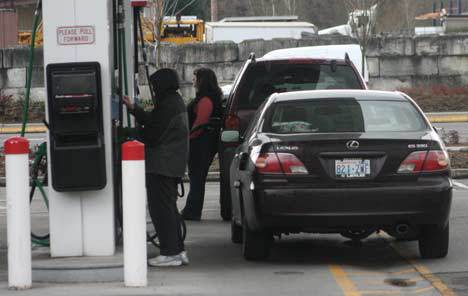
{"points": [[447, 117], [16, 128]]}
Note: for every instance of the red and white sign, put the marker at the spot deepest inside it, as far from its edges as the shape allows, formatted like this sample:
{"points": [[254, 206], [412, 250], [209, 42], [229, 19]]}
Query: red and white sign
{"points": [[139, 3], [77, 35]]}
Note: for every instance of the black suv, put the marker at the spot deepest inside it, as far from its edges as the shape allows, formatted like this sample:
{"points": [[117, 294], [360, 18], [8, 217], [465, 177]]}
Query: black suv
{"points": [[259, 78]]}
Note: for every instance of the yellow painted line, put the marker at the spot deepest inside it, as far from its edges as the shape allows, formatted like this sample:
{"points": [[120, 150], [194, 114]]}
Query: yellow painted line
{"points": [[448, 118], [435, 281], [17, 130], [366, 273], [405, 292], [377, 273], [348, 287], [423, 271], [422, 290]]}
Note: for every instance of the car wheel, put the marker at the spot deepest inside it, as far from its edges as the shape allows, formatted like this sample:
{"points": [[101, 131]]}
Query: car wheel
{"points": [[236, 233], [225, 199], [434, 242], [255, 244]]}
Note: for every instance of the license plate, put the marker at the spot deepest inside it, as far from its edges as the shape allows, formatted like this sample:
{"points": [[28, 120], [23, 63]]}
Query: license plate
{"points": [[352, 168]]}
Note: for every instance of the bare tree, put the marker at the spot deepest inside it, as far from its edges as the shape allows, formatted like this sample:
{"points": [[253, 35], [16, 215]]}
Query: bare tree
{"points": [[409, 13], [273, 7], [214, 10], [362, 19], [158, 10], [291, 6]]}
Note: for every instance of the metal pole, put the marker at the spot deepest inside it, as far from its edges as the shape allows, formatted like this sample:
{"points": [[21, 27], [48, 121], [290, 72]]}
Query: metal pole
{"points": [[18, 213], [214, 10], [442, 6], [134, 214], [459, 7]]}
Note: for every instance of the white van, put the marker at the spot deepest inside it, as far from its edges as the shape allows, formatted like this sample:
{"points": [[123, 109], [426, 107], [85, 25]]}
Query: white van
{"points": [[324, 52]]}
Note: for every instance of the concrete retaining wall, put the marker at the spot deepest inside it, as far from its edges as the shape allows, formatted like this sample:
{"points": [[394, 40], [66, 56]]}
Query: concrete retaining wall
{"points": [[394, 61]]}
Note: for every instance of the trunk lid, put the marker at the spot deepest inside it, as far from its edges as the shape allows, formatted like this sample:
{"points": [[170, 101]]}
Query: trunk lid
{"points": [[352, 157]]}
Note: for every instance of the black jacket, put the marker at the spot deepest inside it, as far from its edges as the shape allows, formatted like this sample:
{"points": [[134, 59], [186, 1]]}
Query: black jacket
{"points": [[165, 135]]}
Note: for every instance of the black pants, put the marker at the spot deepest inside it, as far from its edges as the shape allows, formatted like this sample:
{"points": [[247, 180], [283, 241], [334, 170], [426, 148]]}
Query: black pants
{"points": [[162, 198], [202, 151]]}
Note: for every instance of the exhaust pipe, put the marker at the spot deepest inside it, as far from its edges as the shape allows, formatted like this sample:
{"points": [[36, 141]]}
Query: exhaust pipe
{"points": [[402, 228]]}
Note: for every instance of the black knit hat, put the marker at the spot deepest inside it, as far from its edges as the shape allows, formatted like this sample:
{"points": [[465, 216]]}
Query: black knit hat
{"points": [[164, 81]]}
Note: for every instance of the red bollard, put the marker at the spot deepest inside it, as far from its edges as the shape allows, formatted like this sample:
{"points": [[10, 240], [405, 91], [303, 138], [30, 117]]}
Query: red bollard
{"points": [[134, 214], [18, 213]]}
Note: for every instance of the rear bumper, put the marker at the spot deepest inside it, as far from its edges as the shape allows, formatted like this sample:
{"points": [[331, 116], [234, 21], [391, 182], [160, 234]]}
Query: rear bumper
{"points": [[337, 209]]}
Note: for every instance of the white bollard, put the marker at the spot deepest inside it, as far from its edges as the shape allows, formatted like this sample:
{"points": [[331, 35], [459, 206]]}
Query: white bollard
{"points": [[134, 214], [18, 213]]}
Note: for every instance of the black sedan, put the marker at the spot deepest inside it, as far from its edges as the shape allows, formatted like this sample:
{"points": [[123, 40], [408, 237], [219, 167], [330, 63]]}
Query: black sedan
{"points": [[340, 161]]}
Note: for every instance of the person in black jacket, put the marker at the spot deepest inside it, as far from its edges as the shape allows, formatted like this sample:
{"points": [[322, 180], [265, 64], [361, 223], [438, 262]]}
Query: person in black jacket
{"points": [[166, 138]]}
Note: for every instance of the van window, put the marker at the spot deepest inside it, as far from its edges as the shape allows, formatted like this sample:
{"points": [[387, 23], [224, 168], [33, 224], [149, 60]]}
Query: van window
{"points": [[343, 115], [263, 79]]}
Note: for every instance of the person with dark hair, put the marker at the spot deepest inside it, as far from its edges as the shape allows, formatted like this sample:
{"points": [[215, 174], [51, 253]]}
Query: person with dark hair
{"points": [[204, 133], [165, 135]]}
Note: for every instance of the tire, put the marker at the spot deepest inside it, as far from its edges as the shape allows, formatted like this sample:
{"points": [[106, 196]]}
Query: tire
{"points": [[255, 244], [225, 199], [434, 242], [236, 233]]}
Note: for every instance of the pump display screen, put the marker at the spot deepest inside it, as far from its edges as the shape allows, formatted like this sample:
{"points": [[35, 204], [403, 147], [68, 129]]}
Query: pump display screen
{"points": [[75, 84], [74, 93]]}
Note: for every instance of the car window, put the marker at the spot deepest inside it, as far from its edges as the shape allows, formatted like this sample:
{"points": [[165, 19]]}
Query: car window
{"points": [[344, 115], [253, 122], [263, 79]]}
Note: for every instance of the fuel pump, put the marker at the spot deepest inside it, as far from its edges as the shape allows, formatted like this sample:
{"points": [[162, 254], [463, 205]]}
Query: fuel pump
{"points": [[76, 126], [122, 128], [88, 60], [85, 57]]}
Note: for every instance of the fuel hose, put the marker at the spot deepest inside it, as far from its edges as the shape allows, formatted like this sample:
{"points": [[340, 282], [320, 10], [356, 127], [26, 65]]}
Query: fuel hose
{"points": [[37, 19], [41, 153], [144, 55], [123, 56]]}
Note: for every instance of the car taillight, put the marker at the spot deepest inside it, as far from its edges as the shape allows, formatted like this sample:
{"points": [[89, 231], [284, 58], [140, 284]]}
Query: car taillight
{"points": [[232, 122], [425, 161], [281, 163], [436, 161], [268, 163]]}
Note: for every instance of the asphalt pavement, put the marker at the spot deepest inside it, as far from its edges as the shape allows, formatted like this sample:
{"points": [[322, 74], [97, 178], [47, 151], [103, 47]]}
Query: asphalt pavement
{"points": [[299, 264]]}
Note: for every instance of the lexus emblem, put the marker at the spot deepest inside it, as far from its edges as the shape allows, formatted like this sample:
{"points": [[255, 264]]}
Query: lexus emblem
{"points": [[352, 145]]}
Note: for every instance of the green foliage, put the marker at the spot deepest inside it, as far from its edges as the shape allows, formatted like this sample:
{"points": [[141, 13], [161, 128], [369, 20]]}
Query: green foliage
{"points": [[11, 110]]}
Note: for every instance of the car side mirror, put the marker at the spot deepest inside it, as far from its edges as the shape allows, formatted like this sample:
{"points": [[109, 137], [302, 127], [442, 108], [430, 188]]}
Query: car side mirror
{"points": [[230, 137]]}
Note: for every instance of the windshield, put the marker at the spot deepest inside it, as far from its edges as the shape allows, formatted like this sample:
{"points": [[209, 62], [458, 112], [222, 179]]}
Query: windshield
{"points": [[343, 115], [264, 79]]}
